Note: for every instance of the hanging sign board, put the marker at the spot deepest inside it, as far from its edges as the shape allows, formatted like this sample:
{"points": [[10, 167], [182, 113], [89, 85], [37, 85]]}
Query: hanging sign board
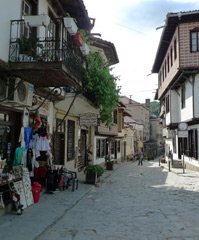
{"points": [[88, 119], [182, 126], [183, 134]]}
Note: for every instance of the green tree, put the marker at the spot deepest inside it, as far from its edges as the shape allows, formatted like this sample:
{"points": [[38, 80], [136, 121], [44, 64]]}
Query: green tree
{"points": [[102, 85], [155, 108]]}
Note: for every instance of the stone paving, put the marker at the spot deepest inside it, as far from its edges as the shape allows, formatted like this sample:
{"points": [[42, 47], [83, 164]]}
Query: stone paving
{"points": [[131, 203]]}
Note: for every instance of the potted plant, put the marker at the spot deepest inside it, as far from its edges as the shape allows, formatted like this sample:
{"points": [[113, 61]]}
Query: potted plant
{"points": [[93, 173], [85, 49], [28, 47], [37, 20], [70, 25], [109, 163], [78, 40]]}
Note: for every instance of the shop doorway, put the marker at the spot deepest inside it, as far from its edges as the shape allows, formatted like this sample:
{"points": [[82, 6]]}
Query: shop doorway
{"points": [[115, 148], [180, 148], [83, 158], [10, 126], [59, 148]]}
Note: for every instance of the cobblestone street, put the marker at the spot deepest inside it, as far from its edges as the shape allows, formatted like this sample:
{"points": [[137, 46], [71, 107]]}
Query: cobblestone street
{"points": [[131, 203]]}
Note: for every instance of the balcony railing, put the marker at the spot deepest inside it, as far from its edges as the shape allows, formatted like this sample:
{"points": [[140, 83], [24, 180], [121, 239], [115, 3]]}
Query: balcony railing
{"points": [[39, 44]]}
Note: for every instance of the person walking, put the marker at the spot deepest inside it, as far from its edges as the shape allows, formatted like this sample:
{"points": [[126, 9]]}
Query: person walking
{"points": [[141, 158]]}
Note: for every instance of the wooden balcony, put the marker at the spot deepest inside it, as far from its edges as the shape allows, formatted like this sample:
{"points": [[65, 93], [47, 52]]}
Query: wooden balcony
{"points": [[102, 129], [43, 59]]}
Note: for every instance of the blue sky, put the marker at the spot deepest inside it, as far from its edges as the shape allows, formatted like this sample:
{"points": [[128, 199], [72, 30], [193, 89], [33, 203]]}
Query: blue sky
{"points": [[131, 26]]}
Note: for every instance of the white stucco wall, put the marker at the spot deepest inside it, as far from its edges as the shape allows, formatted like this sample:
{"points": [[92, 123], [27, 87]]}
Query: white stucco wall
{"points": [[42, 7], [175, 106], [11, 10], [196, 96], [168, 118], [187, 112]]}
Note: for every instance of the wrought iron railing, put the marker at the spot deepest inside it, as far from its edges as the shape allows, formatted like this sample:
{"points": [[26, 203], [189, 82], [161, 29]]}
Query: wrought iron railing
{"points": [[33, 45]]}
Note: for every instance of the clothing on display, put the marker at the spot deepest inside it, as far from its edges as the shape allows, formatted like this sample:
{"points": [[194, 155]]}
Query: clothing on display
{"points": [[27, 136], [18, 156], [29, 160]]}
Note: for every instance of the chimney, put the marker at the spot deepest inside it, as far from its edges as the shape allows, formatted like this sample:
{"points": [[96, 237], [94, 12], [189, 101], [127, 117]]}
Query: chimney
{"points": [[130, 99], [147, 103]]}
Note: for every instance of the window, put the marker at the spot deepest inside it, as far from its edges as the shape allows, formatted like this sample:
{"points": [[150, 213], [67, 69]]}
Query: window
{"points": [[194, 40], [175, 49], [163, 73], [112, 147], [168, 63], [183, 97], [171, 56], [26, 10], [71, 140], [100, 148], [159, 78], [115, 116], [165, 69], [193, 143]]}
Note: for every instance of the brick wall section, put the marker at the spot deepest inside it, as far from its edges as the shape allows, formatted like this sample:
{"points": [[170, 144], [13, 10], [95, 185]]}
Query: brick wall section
{"points": [[187, 58], [174, 68]]}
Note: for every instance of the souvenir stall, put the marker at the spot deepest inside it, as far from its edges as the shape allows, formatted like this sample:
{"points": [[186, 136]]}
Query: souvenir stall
{"points": [[29, 165]]}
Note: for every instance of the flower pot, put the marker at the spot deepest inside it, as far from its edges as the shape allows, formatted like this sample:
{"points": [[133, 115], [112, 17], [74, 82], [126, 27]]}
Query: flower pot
{"points": [[37, 20], [77, 38], [93, 173], [71, 26], [109, 166], [91, 178]]}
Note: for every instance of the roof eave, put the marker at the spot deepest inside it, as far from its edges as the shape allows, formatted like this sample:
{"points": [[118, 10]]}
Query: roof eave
{"points": [[108, 47], [172, 21]]}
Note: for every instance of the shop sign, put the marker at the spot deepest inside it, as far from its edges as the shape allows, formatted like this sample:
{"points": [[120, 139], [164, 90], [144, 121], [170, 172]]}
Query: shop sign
{"points": [[183, 134], [88, 119]]}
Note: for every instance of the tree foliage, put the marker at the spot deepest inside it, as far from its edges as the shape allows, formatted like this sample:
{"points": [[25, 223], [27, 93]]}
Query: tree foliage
{"points": [[155, 108], [103, 84]]}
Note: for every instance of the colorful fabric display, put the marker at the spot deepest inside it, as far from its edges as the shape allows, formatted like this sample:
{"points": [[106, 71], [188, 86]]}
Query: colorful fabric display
{"points": [[18, 156], [27, 136], [37, 120]]}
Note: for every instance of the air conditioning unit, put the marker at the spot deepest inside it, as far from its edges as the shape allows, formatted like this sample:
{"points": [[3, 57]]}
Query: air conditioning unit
{"points": [[59, 91], [18, 93]]}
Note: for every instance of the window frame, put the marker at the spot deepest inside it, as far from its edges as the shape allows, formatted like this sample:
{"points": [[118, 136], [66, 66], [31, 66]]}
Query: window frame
{"points": [[100, 147], [193, 143], [196, 44], [171, 56], [183, 97], [70, 140], [24, 30], [175, 49]]}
